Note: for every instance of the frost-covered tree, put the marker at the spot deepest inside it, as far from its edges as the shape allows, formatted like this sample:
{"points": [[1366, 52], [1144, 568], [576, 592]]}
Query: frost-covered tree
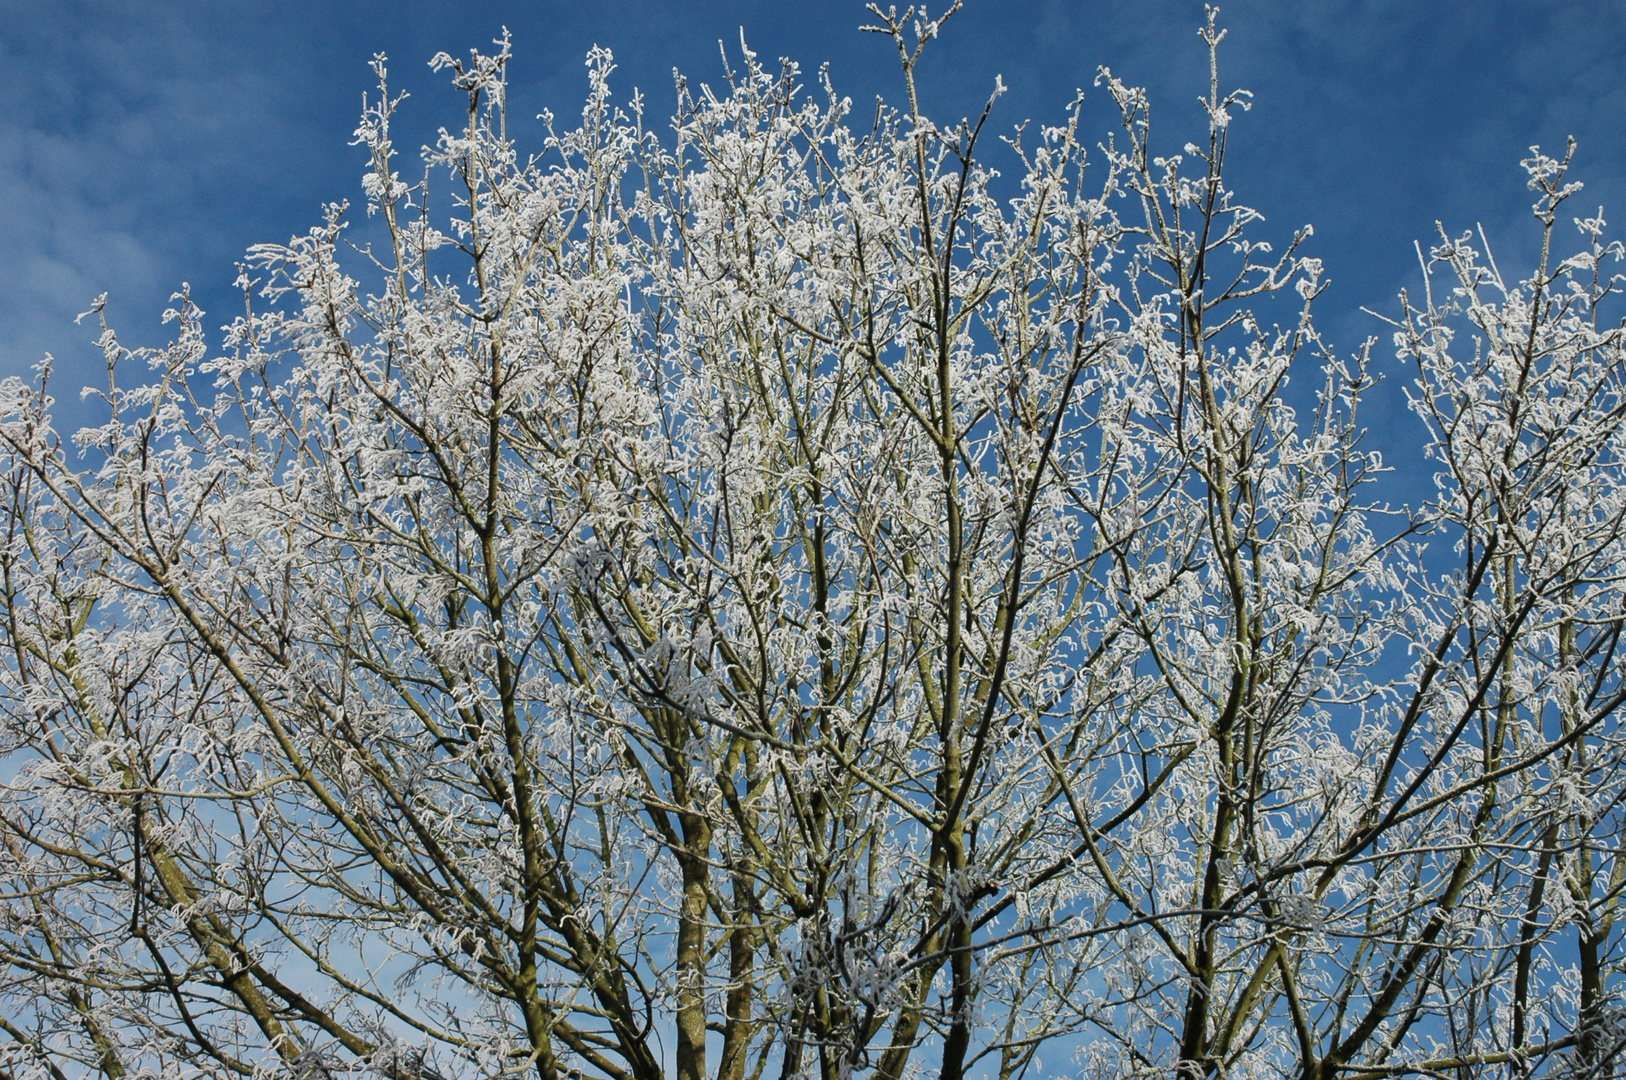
{"points": [[771, 597]]}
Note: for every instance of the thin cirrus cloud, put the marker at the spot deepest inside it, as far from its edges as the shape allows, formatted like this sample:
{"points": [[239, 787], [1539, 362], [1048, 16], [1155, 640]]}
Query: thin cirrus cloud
{"points": [[135, 145], [146, 144]]}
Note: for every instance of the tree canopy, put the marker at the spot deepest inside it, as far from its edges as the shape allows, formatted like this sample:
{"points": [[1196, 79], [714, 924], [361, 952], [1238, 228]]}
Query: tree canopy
{"points": [[795, 593]]}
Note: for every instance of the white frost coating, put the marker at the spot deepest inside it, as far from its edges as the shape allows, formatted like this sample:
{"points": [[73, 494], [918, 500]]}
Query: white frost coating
{"points": [[771, 594]]}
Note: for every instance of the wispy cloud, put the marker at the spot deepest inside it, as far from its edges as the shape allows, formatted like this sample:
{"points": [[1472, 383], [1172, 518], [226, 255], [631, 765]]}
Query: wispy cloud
{"points": [[137, 149]]}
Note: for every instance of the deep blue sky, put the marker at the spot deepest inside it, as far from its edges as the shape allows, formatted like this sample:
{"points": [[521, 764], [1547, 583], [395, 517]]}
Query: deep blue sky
{"points": [[143, 144]]}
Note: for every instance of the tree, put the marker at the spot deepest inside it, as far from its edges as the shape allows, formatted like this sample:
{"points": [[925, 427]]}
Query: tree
{"points": [[773, 599]]}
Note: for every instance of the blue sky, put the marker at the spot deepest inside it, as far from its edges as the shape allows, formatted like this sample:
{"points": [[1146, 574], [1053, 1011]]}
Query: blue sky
{"points": [[146, 144]]}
